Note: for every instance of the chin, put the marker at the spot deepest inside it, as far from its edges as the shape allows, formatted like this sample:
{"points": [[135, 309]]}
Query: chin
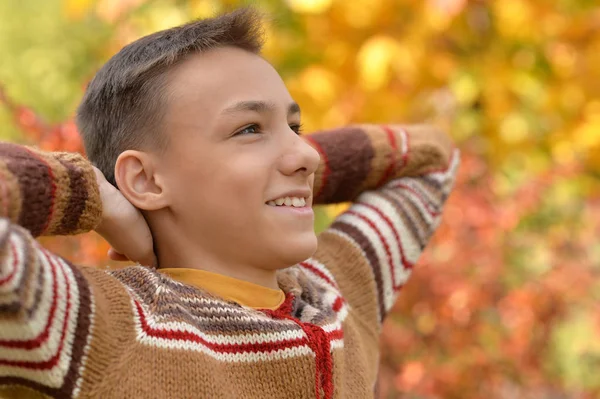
{"points": [[297, 250]]}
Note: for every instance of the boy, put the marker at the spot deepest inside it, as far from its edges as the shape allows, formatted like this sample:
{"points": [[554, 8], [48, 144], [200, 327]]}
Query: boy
{"points": [[200, 136]]}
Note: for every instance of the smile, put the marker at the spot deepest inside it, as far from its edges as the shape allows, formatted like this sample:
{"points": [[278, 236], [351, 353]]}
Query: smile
{"points": [[296, 202]]}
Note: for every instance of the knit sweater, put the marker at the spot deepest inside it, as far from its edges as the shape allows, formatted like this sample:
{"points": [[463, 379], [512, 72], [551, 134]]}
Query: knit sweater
{"points": [[72, 331]]}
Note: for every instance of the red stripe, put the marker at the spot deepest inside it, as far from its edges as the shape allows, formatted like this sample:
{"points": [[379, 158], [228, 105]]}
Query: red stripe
{"points": [[335, 334], [392, 165], [405, 262], [43, 337], [381, 238], [220, 348], [337, 305], [320, 343], [326, 171], [13, 272], [319, 273], [52, 192], [53, 361], [427, 206]]}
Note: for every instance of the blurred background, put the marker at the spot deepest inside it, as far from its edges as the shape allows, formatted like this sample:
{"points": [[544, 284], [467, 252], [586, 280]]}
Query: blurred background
{"points": [[505, 301]]}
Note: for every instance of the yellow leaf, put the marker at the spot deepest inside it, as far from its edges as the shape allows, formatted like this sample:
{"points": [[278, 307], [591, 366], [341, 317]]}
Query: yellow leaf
{"points": [[76, 9], [319, 83], [377, 57], [309, 6], [514, 129]]}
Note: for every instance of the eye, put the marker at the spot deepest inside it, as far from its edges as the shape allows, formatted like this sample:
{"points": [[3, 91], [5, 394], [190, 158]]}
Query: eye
{"points": [[297, 128], [251, 129]]}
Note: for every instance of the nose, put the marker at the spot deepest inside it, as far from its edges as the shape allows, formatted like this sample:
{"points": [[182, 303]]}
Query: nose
{"points": [[300, 157]]}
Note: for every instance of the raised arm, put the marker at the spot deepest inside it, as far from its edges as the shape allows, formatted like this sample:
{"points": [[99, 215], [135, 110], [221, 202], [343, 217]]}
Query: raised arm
{"points": [[48, 193], [399, 178], [51, 312]]}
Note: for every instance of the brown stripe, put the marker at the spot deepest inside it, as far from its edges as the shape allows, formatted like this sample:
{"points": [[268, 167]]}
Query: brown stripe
{"points": [[434, 197], [383, 152], [27, 283], [349, 153], [35, 182], [33, 276], [431, 182], [11, 194], [11, 308], [77, 200], [79, 341], [37, 297], [82, 333], [172, 306], [364, 243], [406, 217]]}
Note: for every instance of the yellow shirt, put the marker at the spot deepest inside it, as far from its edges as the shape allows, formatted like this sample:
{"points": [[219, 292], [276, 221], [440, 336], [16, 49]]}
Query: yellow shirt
{"points": [[240, 291]]}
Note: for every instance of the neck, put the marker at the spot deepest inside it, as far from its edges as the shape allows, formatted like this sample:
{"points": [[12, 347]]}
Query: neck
{"points": [[177, 251]]}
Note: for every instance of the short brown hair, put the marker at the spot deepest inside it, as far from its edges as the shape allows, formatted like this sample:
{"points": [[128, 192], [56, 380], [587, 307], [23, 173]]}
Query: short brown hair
{"points": [[122, 107]]}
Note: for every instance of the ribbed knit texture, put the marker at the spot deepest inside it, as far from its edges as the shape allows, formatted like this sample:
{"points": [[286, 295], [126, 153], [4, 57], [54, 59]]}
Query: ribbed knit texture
{"points": [[68, 331]]}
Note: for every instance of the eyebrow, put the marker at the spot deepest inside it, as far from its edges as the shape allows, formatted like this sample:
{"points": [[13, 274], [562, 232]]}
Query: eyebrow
{"points": [[260, 107]]}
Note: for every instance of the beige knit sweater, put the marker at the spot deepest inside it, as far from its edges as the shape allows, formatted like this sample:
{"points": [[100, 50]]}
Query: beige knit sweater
{"points": [[71, 331]]}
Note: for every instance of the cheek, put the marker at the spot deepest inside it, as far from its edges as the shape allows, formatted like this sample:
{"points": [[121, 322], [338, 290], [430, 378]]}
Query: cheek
{"points": [[234, 187]]}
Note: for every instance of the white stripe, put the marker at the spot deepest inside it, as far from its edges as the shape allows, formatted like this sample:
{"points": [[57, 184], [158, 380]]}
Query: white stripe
{"points": [[9, 259], [164, 318], [410, 243], [55, 376], [422, 228], [385, 230], [404, 141], [403, 195], [143, 338], [384, 267], [49, 347], [295, 333], [69, 339], [11, 286], [337, 344], [430, 196], [226, 340], [337, 325], [241, 357], [320, 267], [86, 349], [444, 177], [386, 207], [13, 329], [329, 297]]}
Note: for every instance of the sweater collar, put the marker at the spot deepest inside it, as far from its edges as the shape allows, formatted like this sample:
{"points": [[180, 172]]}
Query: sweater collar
{"points": [[229, 288]]}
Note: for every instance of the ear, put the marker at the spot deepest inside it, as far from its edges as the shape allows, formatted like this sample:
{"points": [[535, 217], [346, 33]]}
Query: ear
{"points": [[136, 177]]}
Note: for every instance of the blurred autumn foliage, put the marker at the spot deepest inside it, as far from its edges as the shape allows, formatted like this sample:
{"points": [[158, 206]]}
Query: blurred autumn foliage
{"points": [[505, 301]]}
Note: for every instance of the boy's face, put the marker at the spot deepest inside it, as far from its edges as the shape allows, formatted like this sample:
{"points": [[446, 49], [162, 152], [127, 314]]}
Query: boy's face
{"points": [[233, 148]]}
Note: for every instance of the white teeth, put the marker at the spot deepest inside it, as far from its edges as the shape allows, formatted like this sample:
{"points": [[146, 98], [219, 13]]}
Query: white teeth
{"points": [[296, 202]]}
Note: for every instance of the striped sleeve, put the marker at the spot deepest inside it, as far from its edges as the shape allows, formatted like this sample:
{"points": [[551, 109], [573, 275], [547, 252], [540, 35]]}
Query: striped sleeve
{"points": [[48, 307], [48, 193], [399, 180]]}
